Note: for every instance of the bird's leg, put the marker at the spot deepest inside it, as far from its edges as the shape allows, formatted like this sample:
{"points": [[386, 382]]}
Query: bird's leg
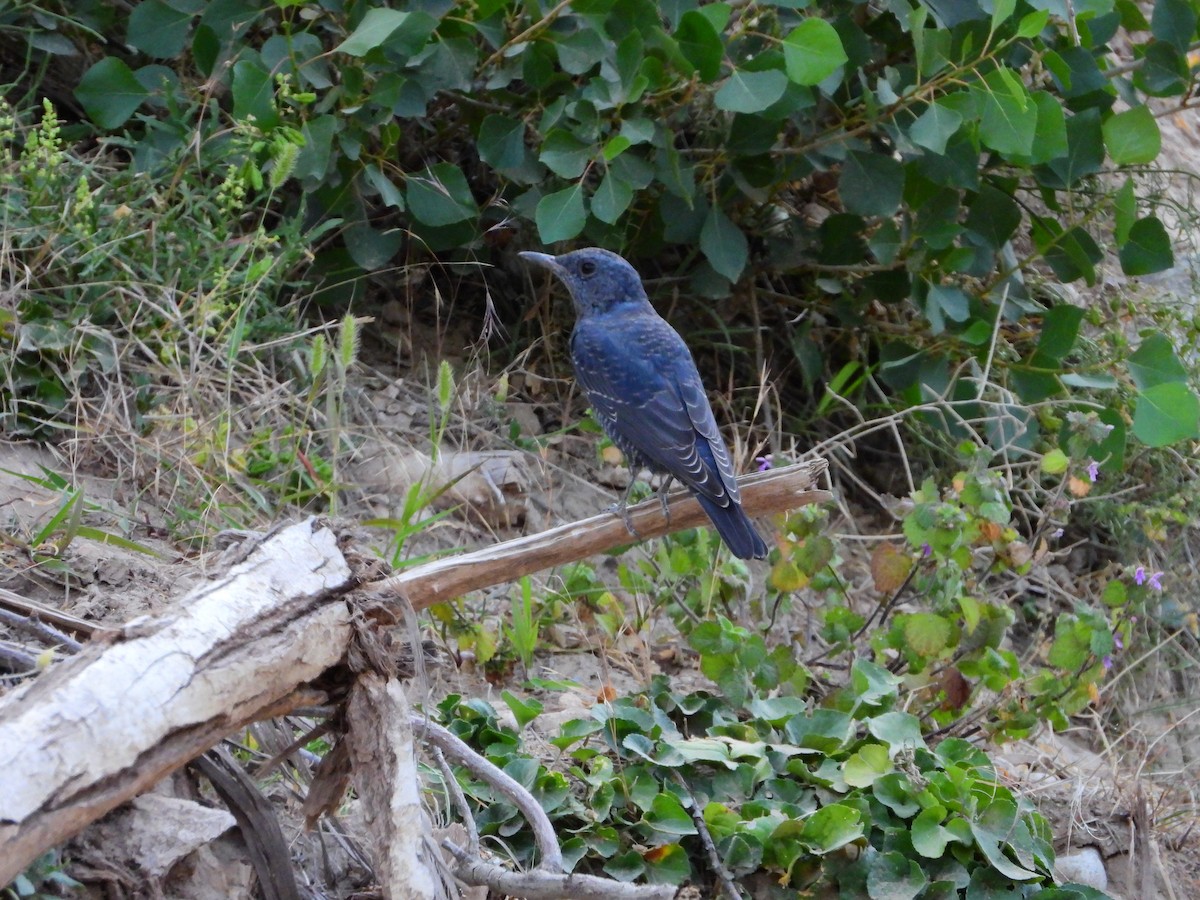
{"points": [[621, 507], [662, 497]]}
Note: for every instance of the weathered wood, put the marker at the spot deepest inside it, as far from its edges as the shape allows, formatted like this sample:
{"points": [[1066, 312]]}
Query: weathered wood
{"points": [[765, 493], [101, 727], [105, 725], [384, 760]]}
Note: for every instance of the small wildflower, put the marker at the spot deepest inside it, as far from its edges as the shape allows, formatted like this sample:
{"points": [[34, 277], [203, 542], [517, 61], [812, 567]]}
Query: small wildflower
{"points": [[764, 462], [1107, 661], [1058, 532], [1139, 575], [926, 550], [1117, 642], [1155, 581], [1093, 470]]}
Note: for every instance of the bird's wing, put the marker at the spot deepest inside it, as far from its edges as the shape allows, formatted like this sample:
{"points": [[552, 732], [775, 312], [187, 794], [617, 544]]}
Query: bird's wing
{"points": [[648, 397]]}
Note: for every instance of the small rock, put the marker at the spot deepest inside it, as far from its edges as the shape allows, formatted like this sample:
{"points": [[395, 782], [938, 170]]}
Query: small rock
{"points": [[1083, 867]]}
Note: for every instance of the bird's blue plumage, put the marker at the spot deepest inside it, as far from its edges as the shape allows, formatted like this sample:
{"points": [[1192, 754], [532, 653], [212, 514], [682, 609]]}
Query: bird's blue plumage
{"points": [[645, 391]]}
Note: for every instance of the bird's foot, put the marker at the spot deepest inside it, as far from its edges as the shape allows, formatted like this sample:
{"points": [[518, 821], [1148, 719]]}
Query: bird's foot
{"points": [[621, 510], [662, 498]]}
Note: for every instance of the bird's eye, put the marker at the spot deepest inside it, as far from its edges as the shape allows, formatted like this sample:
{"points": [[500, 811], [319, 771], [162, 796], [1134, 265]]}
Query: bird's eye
{"points": [[587, 267]]}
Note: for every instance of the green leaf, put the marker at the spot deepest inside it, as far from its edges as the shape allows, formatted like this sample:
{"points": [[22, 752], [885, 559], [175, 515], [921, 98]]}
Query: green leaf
{"points": [[666, 815], [832, 827], [700, 44], [1001, 10], [1166, 414], [1060, 328], [1155, 362], [992, 830], [1009, 122], [253, 92], [1050, 140], [994, 217], [929, 835], [1033, 23], [372, 249], [751, 92], [565, 154], [925, 634], [863, 767], [891, 875], [934, 127], [1174, 22], [812, 52], [373, 31], [1132, 137], [871, 184], [612, 198], [723, 244], [441, 196], [561, 216], [524, 711], [158, 29], [1147, 249], [109, 93], [899, 730], [1055, 462], [502, 142]]}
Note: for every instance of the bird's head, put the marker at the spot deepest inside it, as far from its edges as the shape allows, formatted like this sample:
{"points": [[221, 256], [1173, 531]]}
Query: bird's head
{"points": [[599, 280]]}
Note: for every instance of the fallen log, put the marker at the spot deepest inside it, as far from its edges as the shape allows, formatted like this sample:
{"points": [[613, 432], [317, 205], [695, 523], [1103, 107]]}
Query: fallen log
{"points": [[103, 726]]}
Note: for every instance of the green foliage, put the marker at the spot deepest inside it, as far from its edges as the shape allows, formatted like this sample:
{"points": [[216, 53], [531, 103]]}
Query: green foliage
{"points": [[43, 880], [848, 797]]}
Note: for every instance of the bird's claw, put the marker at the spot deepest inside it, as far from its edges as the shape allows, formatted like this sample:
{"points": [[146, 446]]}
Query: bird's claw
{"points": [[622, 511]]}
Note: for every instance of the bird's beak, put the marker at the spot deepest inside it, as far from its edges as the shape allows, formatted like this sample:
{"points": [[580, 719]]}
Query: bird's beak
{"points": [[545, 260]]}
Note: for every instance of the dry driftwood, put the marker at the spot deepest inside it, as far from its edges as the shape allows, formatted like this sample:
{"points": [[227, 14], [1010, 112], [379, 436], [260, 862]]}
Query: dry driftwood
{"points": [[103, 726]]}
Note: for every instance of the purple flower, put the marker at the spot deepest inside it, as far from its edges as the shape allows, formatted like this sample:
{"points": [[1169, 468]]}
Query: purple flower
{"points": [[1093, 470], [1107, 661], [1139, 575], [926, 550], [764, 462], [1117, 642], [1155, 581], [1058, 532]]}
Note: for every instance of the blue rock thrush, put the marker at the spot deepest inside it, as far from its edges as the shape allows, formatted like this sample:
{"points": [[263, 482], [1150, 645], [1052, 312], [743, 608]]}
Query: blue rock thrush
{"points": [[642, 383]]}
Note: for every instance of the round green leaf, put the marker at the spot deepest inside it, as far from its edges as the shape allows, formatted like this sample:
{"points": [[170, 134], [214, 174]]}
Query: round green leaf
{"points": [[158, 29], [561, 216], [110, 93], [1155, 362], [751, 92], [374, 29], [1166, 414], [612, 198], [700, 44], [812, 52], [892, 876], [1132, 137], [934, 127], [440, 196], [1147, 249], [502, 142], [871, 184]]}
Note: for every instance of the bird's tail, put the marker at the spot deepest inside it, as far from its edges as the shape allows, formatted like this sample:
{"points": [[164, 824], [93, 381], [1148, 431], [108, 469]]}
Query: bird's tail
{"points": [[735, 529]]}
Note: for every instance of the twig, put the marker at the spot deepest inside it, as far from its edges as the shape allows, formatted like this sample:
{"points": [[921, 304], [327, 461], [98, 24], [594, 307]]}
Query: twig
{"points": [[503, 783], [548, 886], [14, 657], [459, 800], [38, 628], [764, 493], [724, 876]]}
